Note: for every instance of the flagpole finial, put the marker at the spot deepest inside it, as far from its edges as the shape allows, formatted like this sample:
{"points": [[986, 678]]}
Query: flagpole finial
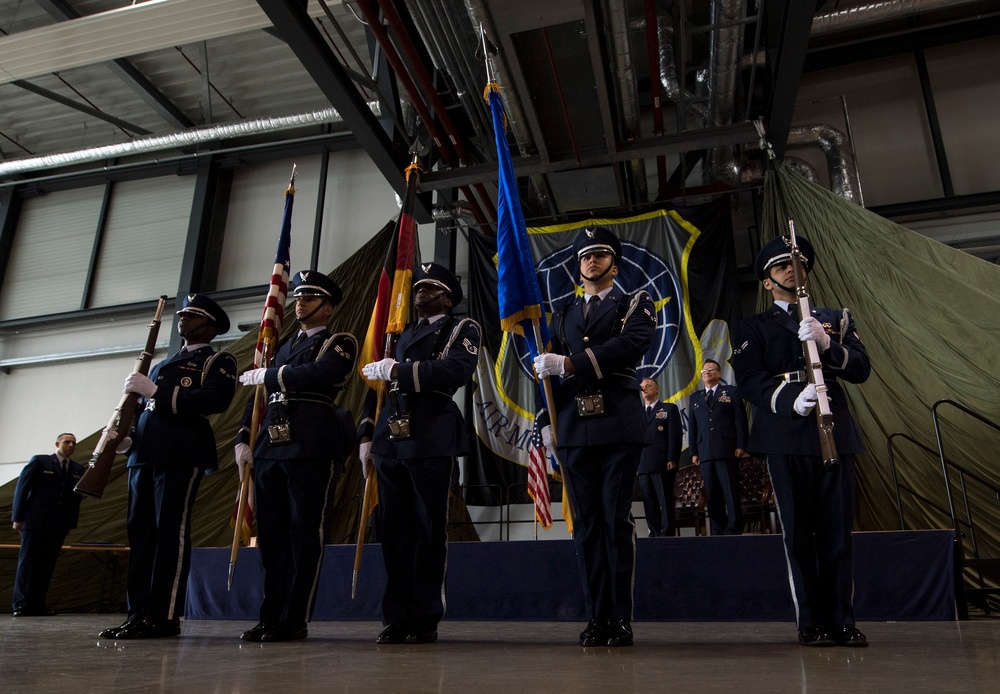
{"points": [[291, 180], [486, 50]]}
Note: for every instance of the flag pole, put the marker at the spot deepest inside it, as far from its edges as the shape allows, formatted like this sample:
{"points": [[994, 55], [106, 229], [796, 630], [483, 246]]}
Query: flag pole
{"points": [[246, 483], [370, 498]]}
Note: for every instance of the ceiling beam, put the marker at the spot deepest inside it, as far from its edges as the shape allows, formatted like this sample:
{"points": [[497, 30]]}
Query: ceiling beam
{"points": [[300, 33], [675, 143], [83, 108], [787, 24], [61, 11], [130, 30]]}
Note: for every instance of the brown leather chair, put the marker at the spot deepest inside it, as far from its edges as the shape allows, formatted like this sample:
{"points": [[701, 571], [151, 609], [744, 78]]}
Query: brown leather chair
{"points": [[757, 496], [690, 501]]}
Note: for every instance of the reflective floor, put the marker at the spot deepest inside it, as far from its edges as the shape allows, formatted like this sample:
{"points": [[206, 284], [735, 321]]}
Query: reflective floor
{"points": [[63, 654]]}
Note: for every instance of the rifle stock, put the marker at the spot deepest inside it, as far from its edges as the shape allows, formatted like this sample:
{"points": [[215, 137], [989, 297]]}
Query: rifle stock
{"points": [[95, 477], [814, 367]]}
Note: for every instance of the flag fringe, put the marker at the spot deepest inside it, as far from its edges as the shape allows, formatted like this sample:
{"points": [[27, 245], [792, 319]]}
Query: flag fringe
{"points": [[512, 323]]}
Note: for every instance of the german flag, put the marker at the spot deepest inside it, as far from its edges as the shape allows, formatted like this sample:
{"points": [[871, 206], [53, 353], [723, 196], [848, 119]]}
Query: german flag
{"points": [[392, 304]]}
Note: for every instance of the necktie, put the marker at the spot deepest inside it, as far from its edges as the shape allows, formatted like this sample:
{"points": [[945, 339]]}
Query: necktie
{"points": [[709, 397], [421, 325], [649, 410], [592, 305], [65, 467], [793, 311], [298, 340]]}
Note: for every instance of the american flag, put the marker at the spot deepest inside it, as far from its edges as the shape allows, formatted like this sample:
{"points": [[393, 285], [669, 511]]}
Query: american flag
{"points": [[538, 480], [277, 293], [269, 331]]}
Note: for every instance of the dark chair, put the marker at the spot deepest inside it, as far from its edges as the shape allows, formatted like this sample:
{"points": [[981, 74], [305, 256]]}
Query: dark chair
{"points": [[690, 502], [757, 496]]}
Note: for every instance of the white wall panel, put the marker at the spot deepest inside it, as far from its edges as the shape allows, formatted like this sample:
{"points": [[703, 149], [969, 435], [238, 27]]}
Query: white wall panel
{"points": [[359, 201], [255, 209], [891, 135], [37, 404], [48, 263], [144, 237], [966, 95]]}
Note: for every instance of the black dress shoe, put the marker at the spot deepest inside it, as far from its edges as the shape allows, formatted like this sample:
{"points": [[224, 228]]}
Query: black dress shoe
{"points": [[428, 636], [35, 612], [394, 633], [595, 634], [257, 632], [816, 636], [112, 633], [147, 629], [849, 635], [619, 633], [285, 631]]}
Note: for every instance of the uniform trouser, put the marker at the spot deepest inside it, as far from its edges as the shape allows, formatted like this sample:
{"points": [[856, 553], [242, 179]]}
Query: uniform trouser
{"points": [[600, 481], [36, 562], [657, 490], [816, 508], [413, 518], [160, 503], [291, 498], [722, 486]]}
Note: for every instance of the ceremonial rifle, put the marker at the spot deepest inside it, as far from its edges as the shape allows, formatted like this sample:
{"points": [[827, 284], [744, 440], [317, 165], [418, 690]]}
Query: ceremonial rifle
{"points": [[814, 368], [95, 477]]}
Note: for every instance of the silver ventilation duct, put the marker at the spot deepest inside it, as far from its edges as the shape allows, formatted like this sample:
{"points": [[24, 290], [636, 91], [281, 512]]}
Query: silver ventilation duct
{"points": [[839, 159], [628, 94], [869, 13], [725, 49], [186, 138], [668, 69]]}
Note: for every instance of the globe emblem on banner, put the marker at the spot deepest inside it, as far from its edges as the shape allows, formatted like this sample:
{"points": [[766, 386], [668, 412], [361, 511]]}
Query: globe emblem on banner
{"points": [[639, 268]]}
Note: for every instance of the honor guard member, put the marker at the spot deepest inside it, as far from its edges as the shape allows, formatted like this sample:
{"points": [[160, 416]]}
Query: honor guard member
{"points": [[172, 447], [717, 438], [659, 461], [816, 505], [413, 446], [300, 452], [45, 509], [597, 341]]}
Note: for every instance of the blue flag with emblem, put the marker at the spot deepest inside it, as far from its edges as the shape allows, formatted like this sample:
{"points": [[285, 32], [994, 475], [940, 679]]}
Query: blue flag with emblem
{"points": [[518, 295]]}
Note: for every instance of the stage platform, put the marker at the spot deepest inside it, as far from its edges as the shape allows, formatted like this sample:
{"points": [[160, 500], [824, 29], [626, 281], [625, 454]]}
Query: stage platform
{"points": [[899, 576]]}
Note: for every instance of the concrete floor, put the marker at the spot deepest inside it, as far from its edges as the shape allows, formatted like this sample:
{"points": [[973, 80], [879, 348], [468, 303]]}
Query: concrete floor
{"points": [[63, 654]]}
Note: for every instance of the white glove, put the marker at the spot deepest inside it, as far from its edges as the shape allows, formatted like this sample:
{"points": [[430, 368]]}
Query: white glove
{"points": [[379, 370], [811, 329], [138, 383], [244, 458], [367, 462], [123, 445], [547, 437], [806, 401], [548, 364], [253, 377]]}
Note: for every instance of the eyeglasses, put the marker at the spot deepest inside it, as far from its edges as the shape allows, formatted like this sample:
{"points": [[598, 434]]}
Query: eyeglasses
{"points": [[709, 371]]}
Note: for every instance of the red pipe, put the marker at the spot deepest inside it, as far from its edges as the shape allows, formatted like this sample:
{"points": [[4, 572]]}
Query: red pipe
{"points": [[653, 53], [419, 72], [562, 99]]}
